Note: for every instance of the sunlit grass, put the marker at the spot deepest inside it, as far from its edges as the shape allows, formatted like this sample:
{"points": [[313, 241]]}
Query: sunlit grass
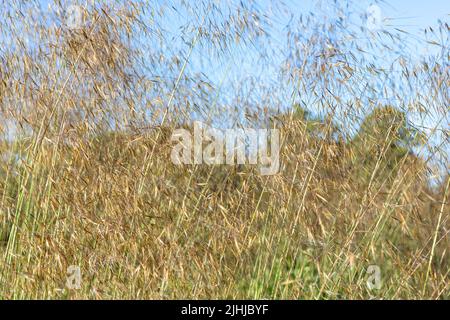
{"points": [[86, 177]]}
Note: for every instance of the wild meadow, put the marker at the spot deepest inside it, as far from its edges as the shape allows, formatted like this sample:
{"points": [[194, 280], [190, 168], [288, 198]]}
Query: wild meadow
{"points": [[92, 91]]}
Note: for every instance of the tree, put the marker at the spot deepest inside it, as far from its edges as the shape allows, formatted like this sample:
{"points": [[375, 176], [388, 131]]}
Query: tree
{"points": [[384, 138]]}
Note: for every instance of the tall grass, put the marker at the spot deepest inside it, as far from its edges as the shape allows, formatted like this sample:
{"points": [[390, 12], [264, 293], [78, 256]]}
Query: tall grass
{"points": [[87, 113]]}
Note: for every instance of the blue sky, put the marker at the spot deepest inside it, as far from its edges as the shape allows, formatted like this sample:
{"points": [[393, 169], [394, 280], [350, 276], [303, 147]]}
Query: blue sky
{"points": [[416, 14], [410, 14]]}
